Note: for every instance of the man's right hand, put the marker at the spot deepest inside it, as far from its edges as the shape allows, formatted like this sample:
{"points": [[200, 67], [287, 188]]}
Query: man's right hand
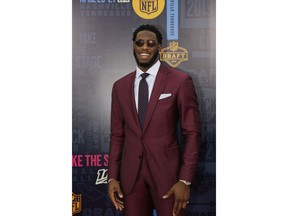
{"points": [[115, 194]]}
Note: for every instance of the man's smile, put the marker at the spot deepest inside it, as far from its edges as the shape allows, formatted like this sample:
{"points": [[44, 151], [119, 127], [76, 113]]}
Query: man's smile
{"points": [[144, 55]]}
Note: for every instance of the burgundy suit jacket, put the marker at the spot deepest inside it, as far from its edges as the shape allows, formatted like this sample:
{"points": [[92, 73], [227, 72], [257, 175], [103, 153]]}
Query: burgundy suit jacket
{"points": [[157, 142]]}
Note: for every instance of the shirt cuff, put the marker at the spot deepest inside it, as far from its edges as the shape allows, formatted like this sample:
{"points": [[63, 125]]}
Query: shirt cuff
{"points": [[185, 182], [110, 180]]}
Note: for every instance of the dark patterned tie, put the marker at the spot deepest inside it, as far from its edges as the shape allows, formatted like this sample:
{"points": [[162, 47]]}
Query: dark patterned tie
{"points": [[143, 99]]}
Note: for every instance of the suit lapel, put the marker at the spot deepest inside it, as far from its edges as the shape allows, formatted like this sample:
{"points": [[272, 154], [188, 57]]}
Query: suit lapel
{"points": [[159, 85], [132, 101]]}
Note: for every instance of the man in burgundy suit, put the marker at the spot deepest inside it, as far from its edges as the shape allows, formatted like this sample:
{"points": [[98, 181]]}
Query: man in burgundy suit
{"points": [[147, 170]]}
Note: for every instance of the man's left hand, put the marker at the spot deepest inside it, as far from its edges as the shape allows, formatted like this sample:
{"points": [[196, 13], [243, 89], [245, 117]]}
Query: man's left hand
{"points": [[181, 194]]}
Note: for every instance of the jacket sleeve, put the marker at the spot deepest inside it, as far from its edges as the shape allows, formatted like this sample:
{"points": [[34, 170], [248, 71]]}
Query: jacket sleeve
{"points": [[116, 137], [191, 131]]}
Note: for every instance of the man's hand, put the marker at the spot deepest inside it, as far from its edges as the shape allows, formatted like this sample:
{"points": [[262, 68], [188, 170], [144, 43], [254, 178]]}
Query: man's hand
{"points": [[115, 194], [181, 194]]}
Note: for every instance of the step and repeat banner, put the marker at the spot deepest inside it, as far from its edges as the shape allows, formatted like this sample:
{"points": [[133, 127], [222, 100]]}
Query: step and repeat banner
{"points": [[102, 53]]}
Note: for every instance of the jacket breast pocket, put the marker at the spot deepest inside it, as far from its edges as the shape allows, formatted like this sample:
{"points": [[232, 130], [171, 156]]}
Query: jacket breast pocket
{"points": [[166, 104]]}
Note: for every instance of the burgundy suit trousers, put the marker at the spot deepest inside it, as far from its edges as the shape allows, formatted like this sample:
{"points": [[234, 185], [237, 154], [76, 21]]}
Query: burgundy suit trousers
{"points": [[142, 200]]}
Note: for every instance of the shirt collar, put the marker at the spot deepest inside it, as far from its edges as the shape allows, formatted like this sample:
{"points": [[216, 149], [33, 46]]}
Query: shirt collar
{"points": [[152, 70]]}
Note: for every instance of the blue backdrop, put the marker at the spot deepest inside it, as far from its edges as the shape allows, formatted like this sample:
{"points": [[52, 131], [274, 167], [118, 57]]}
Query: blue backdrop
{"points": [[102, 53]]}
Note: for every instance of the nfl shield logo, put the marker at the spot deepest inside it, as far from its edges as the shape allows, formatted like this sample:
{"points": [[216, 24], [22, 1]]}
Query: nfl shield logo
{"points": [[76, 203], [148, 6]]}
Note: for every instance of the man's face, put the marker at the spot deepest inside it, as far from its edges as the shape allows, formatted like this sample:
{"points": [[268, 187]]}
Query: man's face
{"points": [[146, 49]]}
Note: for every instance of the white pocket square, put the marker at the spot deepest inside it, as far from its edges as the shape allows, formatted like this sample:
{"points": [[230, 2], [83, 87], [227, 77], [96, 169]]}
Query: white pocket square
{"points": [[162, 96]]}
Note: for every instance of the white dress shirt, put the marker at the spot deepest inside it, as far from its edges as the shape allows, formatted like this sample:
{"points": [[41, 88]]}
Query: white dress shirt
{"points": [[150, 80]]}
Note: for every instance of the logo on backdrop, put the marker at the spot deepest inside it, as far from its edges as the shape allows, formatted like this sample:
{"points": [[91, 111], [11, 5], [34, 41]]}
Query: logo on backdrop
{"points": [[174, 54], [102, 175], [148, 9], [76, 203]]}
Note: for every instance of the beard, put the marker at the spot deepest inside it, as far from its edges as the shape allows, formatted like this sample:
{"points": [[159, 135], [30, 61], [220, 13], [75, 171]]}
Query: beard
{"points": [[149, 63]]}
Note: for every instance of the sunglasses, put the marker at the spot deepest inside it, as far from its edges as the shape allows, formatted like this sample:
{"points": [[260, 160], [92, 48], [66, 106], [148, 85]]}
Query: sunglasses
{"points": [[150, 43]]}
